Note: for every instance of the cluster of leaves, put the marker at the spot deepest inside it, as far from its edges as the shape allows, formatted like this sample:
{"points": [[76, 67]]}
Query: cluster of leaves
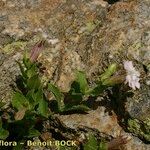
{"points": [[142, 129], [30, 106], [3, 133], [29, 97], [116, 143], [80, 92], [94, 144], [90, 144]]}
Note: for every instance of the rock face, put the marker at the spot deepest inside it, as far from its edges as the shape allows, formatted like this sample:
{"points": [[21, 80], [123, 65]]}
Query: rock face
{"points": [[86, 35]]}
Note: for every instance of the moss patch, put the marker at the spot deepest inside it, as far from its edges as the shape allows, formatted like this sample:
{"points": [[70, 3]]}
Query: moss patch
{"points": [[17, 45], [142, 129]]}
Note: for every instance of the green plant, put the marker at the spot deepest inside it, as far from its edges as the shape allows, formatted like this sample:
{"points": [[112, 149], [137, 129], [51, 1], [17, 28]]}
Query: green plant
{"points": [[30, 107], [29, 97], [80, 92], [3, 133], [94, 144]]}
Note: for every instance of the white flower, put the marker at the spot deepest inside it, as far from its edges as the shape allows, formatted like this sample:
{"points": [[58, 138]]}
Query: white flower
{"points": [[132, 75]]}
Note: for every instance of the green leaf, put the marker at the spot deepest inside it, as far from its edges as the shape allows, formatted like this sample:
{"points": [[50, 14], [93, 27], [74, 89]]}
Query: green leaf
{"points": [[113, 80], [32, 71], [82, 108], [19, 146], [27, 62], [34, 82], [75, 87], [38, 96], [75, 98], [30, 96], [109, 72], [19, 101], [58, 95], [103, 146], [81, 79], [43, 108], [22, 69], [97, 90], [2, 104], [3, 134], [91, 144], [35, 96], [33, 133]]}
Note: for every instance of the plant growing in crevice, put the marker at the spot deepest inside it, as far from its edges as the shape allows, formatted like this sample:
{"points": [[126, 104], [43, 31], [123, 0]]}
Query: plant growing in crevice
{"points": [[30, 106], [80, 91], [93, 144]]}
